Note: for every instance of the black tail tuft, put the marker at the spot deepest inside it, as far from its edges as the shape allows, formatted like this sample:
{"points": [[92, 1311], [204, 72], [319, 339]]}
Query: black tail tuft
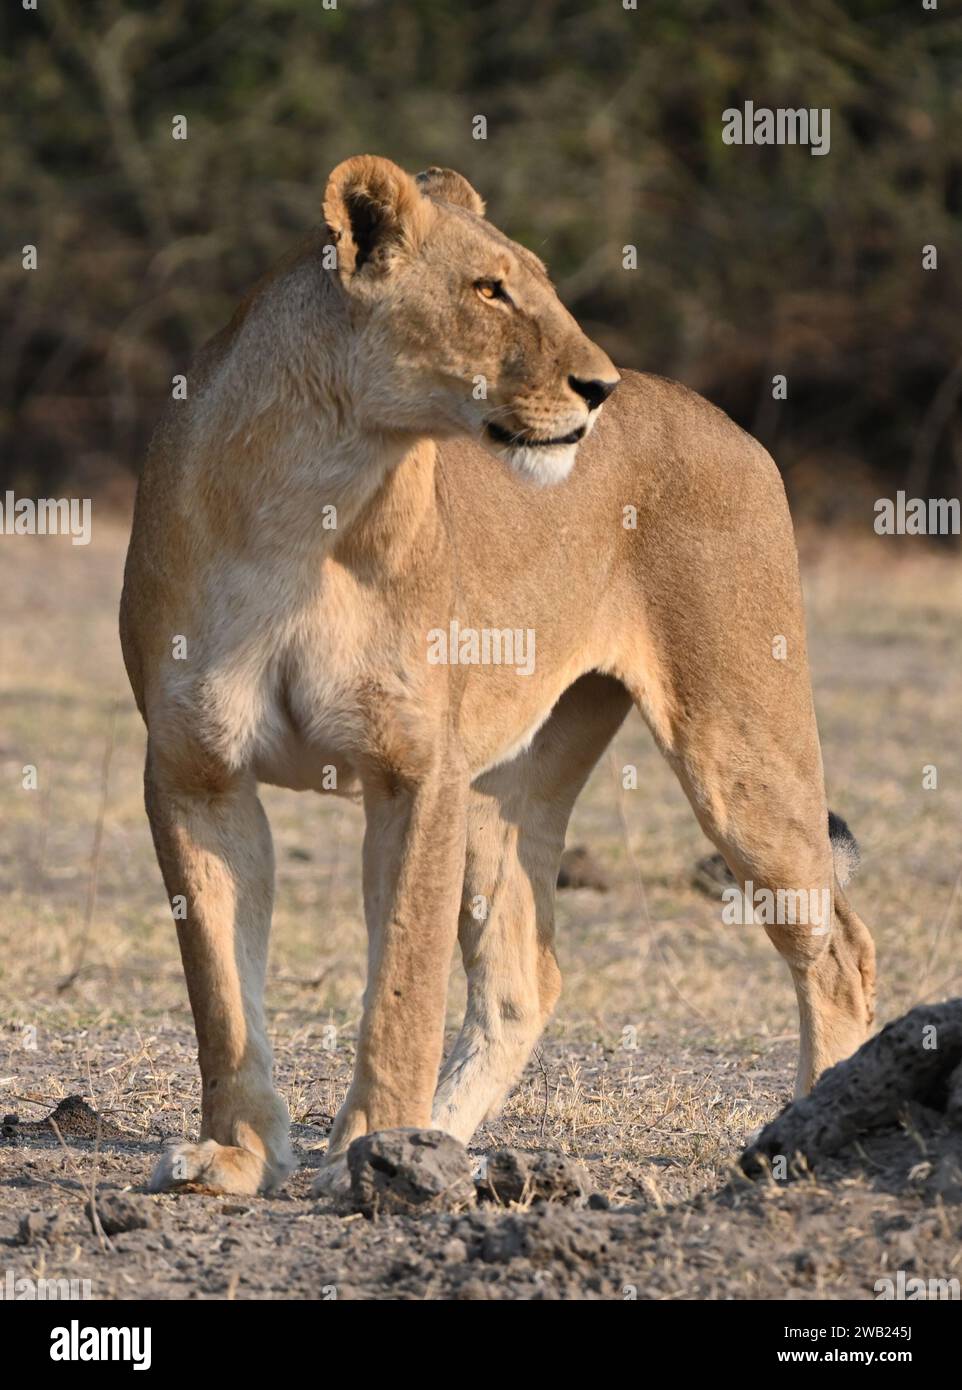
{"points": [[844, 847]]}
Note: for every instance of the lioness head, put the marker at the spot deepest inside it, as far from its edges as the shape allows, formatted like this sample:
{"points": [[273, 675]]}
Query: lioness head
{"points": [[459, 328]]}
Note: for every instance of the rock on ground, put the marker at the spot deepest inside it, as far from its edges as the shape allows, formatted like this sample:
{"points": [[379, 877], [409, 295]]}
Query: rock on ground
{"points": [[43, 1228], [511, 1175], [917, 1059], [580, 869], [398, 1171], [72, 1118], [118, 1213]]}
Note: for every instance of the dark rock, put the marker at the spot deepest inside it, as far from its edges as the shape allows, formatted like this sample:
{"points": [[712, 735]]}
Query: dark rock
{"points": [[527, 1178], [72, 1118], [946, 1180], [580, 869], [409, 1171], [118, 1213], [711, 876], [43, 1228], [912, 1062]]}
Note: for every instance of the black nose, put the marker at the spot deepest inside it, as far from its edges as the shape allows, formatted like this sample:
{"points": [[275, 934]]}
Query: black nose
{"points": [[594, 392]]}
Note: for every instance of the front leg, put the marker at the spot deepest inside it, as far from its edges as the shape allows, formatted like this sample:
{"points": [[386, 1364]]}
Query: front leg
{"points": [[214, 848], [413, 869]]}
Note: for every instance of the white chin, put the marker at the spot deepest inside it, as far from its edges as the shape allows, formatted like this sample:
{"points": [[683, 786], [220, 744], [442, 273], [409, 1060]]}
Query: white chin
{"points": [[543, 466]]}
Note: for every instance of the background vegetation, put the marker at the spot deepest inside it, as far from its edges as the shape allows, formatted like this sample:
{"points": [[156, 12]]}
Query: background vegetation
{"points": [[604, 128], [676, 1034]]}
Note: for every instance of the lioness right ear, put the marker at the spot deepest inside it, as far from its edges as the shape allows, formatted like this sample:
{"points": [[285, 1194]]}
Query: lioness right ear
{"points": [[451, 187], [375, 212]]}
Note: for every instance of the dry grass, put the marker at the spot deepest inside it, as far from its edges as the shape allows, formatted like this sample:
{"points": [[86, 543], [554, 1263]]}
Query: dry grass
{"points": [[659, 1111]]}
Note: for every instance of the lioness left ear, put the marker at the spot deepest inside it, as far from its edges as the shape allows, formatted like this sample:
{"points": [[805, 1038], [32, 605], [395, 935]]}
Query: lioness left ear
{"points": [[450, 187], [374, 211]]}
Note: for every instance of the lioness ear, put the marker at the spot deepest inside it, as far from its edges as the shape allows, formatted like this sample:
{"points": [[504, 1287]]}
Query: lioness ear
{"points": [[451, 188], [374, 210]]}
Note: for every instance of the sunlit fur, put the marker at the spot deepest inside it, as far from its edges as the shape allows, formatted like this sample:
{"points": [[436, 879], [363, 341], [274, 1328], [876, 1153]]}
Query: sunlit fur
{"points": [[351, 390]]}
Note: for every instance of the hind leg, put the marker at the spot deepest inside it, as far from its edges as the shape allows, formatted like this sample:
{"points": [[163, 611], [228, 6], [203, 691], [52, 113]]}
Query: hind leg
{"points": [[835, 991], [766, 813], [770, 824], [739, 729], [786, 858], [517, 819]]}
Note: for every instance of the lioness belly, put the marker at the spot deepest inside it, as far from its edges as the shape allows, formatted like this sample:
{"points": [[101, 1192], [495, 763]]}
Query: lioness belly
{"points": [[293, 763]]}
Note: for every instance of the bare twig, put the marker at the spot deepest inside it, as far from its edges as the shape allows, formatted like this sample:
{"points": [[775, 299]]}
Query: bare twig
{"points": [[89, 1192], [544, 1073]]}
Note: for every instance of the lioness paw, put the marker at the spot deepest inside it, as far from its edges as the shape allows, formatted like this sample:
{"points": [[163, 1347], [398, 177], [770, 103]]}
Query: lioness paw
{"points": [[212, 1167]]}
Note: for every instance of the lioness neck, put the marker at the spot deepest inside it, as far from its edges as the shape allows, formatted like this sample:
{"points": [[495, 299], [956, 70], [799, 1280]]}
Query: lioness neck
{"points": [[277, 453]]}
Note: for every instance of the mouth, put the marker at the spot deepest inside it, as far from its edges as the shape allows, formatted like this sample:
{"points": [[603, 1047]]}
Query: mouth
{"points": [[520, 439]]}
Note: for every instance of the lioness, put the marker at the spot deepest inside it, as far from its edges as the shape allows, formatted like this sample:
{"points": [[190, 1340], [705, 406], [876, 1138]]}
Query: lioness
{"points": [[348, 490]]}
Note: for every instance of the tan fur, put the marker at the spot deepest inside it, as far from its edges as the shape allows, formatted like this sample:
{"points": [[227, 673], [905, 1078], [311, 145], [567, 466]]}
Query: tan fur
{"points": [[357, 387]]}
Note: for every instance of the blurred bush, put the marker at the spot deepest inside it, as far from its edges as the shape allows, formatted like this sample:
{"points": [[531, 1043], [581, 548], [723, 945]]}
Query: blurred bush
{"points": [[603, 129]]}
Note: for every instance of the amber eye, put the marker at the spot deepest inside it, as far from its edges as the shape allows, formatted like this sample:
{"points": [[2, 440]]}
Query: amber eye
{"points": [[492, 289]]}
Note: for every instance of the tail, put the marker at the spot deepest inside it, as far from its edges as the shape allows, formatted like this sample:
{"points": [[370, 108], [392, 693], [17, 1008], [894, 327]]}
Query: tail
{"points": [[712, 874], [845, 848]]}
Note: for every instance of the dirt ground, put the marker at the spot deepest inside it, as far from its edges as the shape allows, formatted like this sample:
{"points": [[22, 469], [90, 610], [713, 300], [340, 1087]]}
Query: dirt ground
{"points": [[674, 1039]]}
